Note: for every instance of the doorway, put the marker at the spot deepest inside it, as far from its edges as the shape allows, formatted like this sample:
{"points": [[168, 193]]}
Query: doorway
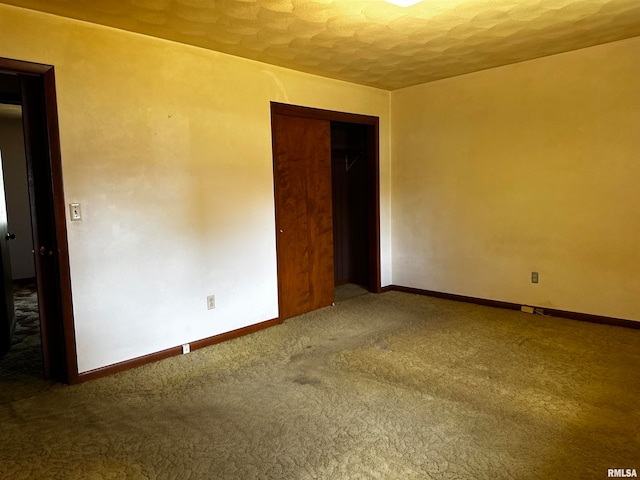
{"points": [[326, 182], [32, 87], [24, 357], [349, 154]]}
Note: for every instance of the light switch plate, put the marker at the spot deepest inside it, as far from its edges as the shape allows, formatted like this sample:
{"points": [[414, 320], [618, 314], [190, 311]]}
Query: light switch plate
{"points": [[75, 212]]}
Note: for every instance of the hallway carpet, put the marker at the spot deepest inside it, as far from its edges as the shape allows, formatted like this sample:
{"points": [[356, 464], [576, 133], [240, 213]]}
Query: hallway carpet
{"points": [[390, 386], [21, 370]]}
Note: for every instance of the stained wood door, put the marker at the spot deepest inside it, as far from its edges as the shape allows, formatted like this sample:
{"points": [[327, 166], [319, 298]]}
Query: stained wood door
{"points": [[7, 311], [58, 359], [304, 223]]}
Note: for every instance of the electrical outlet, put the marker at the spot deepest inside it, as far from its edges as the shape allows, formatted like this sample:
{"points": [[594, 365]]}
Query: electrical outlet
{"points": [[211, 302], [527, 309], [534, 277], [186, 348]]}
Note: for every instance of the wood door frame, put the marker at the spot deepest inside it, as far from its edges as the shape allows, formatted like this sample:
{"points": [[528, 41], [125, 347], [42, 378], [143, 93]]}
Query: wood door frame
{"points": [[54, 284], [373, 182]]}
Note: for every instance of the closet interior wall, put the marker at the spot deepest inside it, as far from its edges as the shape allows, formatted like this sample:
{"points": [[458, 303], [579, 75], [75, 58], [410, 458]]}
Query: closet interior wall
{"points": [[349, 170]]}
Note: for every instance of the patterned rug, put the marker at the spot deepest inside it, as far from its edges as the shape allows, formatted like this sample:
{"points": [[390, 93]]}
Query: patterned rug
{"points": [[27, 318], [25, 356]]}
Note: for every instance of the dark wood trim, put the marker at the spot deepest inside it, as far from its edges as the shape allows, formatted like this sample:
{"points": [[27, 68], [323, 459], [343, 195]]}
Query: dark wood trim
{"points": [[319, 114], [375, 284], [173, 351], [587, 317], [456, 298], [583, 317], [275, 209], [11, 66], [64, 273], [128, 364], [240, 332]]}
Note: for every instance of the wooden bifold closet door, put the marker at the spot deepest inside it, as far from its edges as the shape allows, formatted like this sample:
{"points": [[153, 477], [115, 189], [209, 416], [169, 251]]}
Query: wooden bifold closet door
{"points": [[303, 203]]}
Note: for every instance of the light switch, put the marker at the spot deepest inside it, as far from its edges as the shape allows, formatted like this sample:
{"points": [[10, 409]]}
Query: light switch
{"points": [[75, 212]]}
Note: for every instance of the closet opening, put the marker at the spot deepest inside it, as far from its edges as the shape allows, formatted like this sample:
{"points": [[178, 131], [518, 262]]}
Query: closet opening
{"points": [[327, 206], [351, 219]]}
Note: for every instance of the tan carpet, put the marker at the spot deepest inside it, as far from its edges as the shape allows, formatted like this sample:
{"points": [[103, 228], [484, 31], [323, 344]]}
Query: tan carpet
{"points": [[390, 386]]}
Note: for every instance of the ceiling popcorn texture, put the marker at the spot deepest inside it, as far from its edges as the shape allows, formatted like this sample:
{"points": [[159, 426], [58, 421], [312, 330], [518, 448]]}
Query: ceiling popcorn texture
{"points": [[369, 42]]}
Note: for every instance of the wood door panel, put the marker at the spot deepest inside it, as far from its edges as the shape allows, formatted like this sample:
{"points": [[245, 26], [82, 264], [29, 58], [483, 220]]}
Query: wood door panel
{"points": [[320, 217], [293, 270], [304, 225], [49, 230]]}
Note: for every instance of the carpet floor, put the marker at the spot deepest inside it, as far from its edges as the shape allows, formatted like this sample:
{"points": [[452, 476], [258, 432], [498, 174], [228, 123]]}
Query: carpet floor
{"points": [[389, 386], [21, 369]]}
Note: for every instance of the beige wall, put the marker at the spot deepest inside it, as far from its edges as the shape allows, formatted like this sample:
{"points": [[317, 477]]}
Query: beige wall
{"points": [[16, 191], [528, 167], [168, 149]]}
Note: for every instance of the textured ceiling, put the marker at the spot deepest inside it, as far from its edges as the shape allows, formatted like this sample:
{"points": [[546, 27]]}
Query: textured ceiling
{"points": [[369, 42]]}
